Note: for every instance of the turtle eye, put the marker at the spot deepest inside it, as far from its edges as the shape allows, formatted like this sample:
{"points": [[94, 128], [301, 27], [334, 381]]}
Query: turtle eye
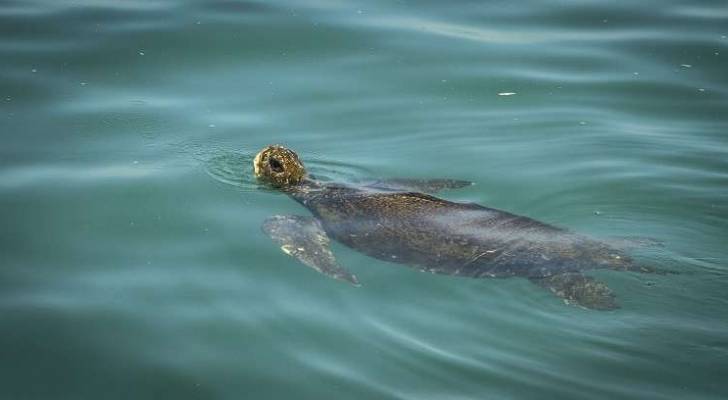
{"points": [[275, 165]]}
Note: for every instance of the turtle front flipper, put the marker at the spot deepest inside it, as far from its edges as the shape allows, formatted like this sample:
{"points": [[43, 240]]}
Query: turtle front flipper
{"points": [[579, 289], [418, 185], [305, 239]]}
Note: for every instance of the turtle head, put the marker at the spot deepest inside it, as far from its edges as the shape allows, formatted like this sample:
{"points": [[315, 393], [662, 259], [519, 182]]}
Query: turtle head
{"points": [[278, 166]]}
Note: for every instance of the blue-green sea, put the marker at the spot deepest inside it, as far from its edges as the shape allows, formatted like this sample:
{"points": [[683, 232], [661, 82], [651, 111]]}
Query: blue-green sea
{"points": [[133, 266]]}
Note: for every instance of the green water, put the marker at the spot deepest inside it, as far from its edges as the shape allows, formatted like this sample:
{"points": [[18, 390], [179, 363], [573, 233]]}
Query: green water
{"points": [[132, 265]]}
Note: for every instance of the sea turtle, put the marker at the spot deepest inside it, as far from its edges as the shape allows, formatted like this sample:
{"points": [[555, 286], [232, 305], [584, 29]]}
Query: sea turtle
{"points": [[400, 221]]}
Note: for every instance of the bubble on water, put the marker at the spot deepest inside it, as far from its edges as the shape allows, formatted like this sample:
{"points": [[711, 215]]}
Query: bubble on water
{"points": [[33, 70], [83, 83], [701, 90], [582, 122], [506, 93], [635, 73], [211, 126], [686, 65]]}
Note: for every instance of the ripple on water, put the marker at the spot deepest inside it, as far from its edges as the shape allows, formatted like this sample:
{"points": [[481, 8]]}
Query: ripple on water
{"points": [[236, 169]]}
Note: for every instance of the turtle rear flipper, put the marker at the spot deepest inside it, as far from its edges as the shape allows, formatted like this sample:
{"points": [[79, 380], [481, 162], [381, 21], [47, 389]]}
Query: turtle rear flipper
{"points": [[418, 185], [305, 239], [579, 289]]}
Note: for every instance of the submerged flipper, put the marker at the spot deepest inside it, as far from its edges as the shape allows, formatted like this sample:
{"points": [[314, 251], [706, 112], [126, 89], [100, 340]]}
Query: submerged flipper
{"points": [[579, 289], [418, 185], [305, 239]]}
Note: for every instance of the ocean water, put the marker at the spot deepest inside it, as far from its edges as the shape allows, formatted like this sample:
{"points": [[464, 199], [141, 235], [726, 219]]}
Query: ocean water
{"points": [[132, 265]]}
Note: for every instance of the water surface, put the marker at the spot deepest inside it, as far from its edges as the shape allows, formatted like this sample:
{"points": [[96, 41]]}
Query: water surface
{"points": [[131, 260]]}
